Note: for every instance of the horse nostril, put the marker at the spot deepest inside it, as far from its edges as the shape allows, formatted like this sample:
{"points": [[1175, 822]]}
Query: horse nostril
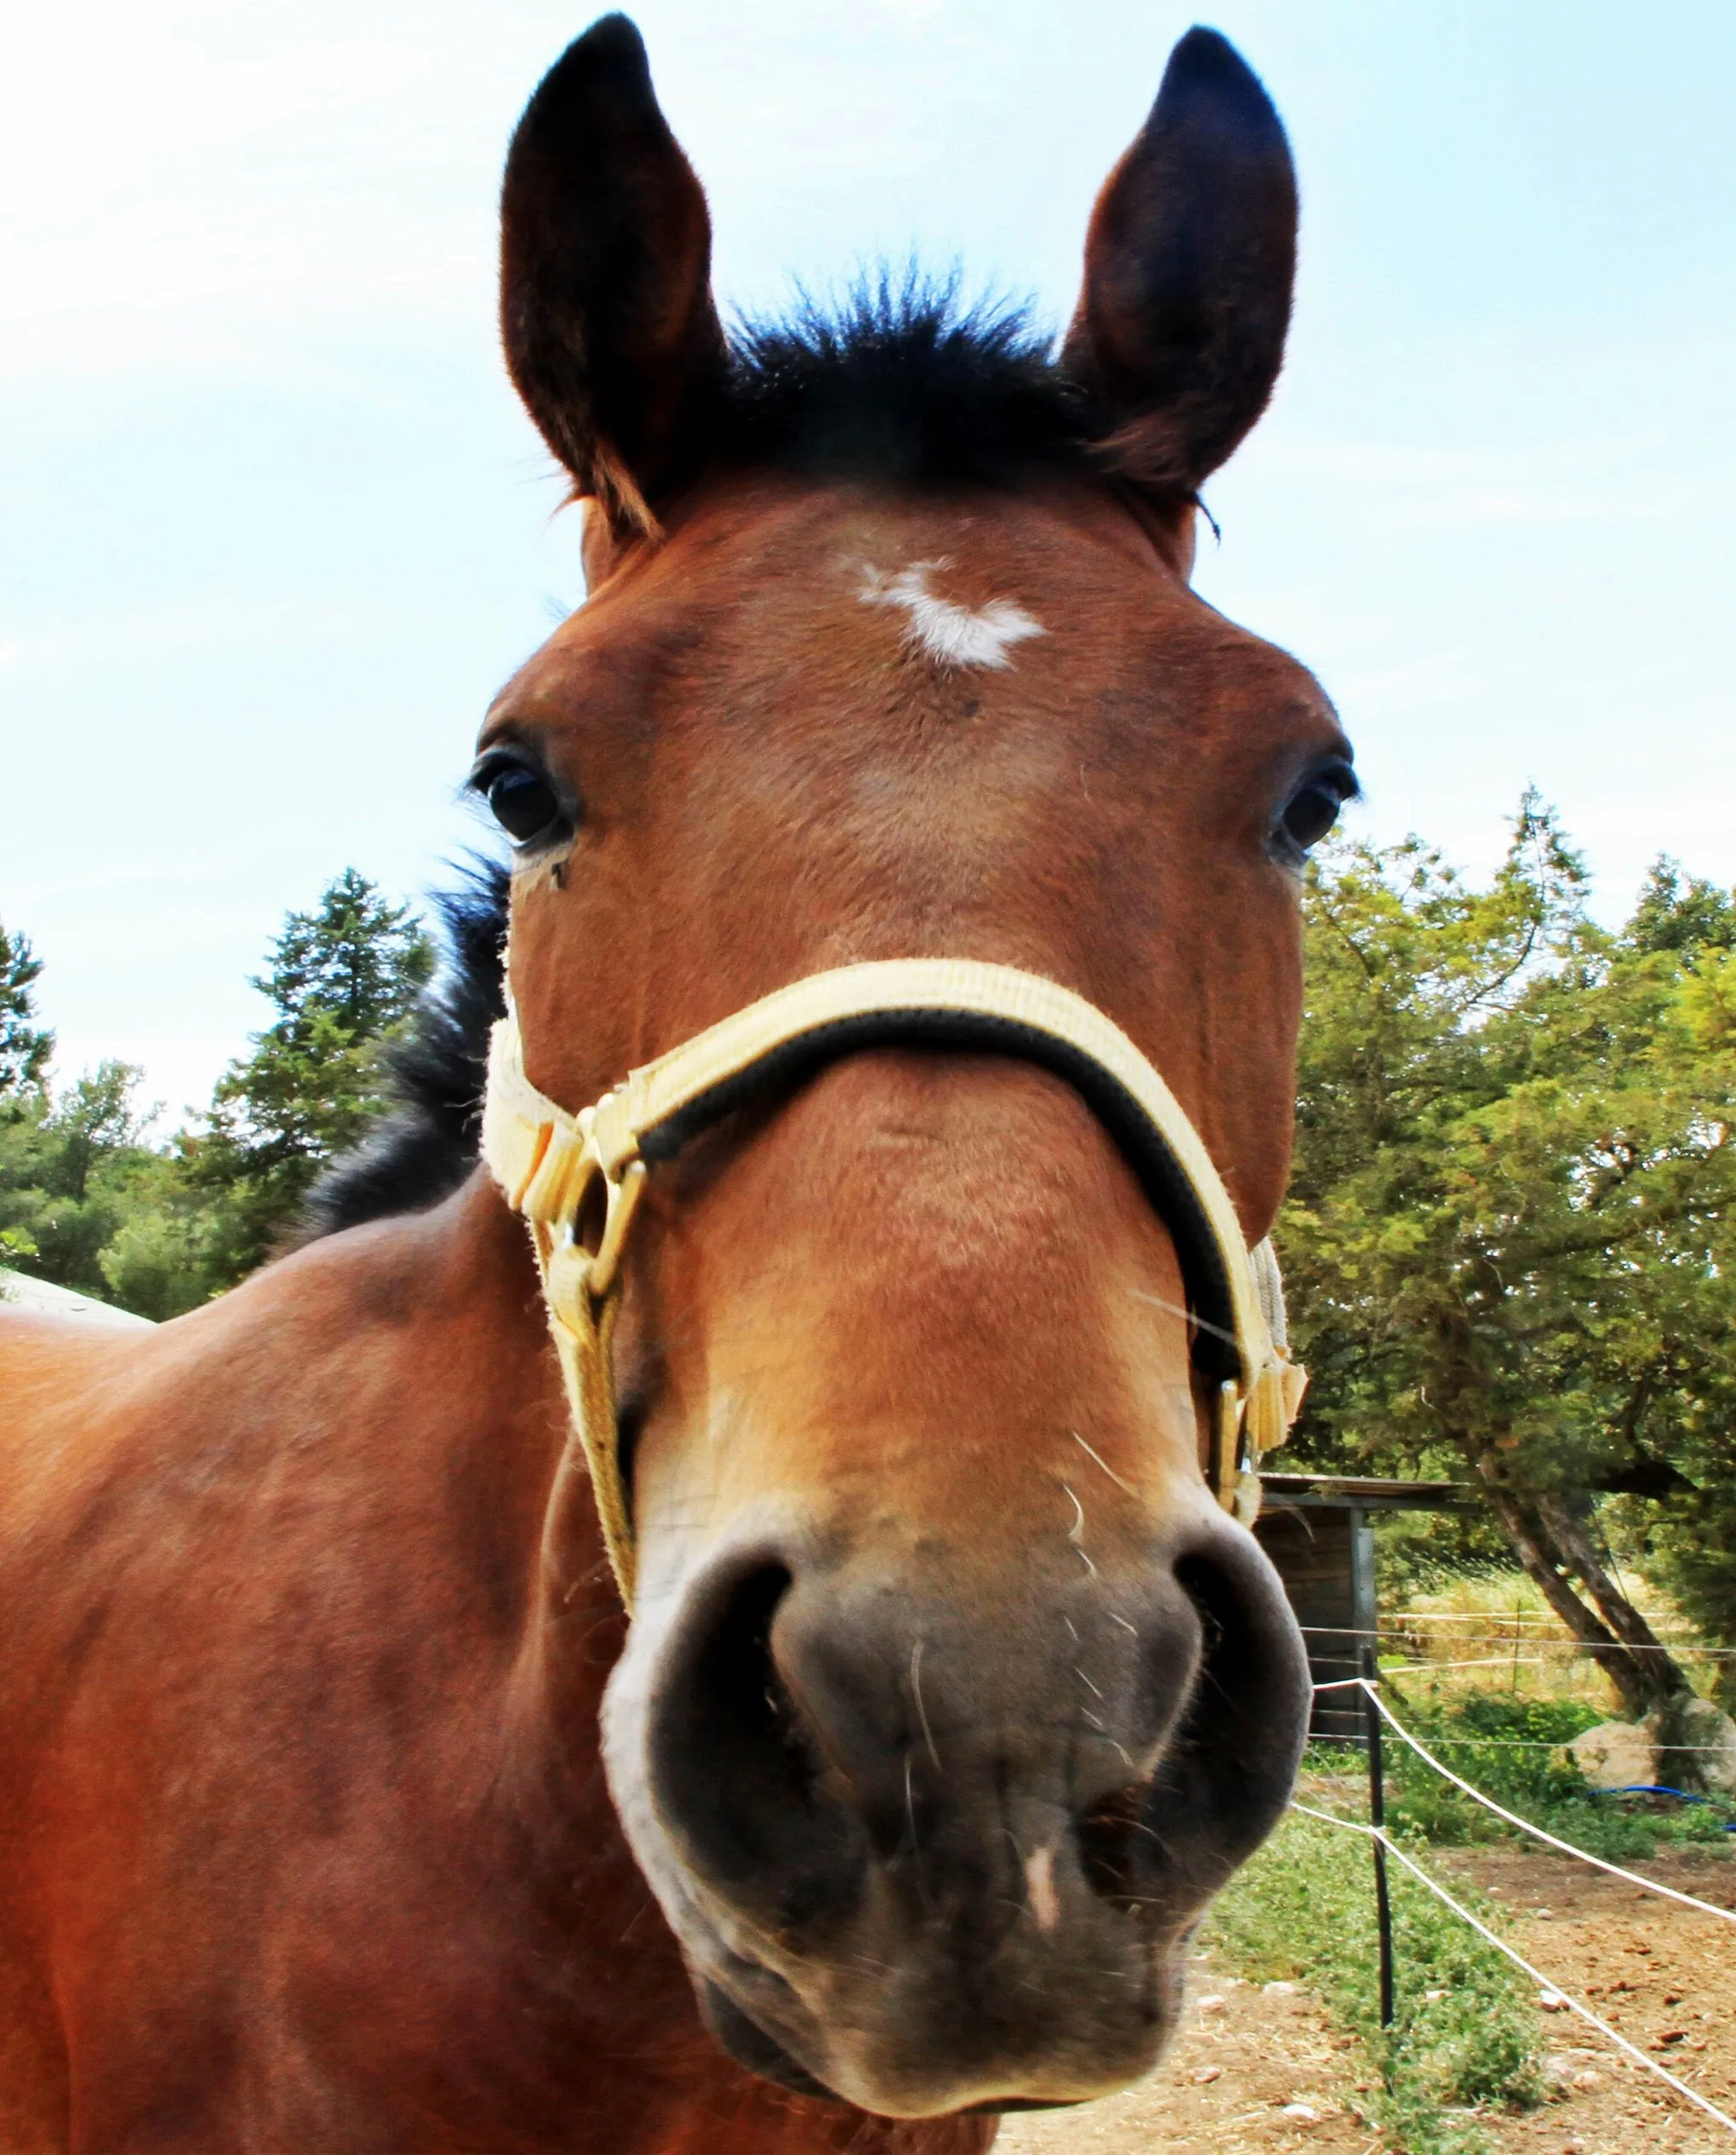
{"points": [[739, 1783], [1235, 1754], [1111, 1835], [1229, 1760]]}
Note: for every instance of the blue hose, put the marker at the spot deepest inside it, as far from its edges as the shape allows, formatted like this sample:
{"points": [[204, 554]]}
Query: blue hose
{"points": [[1657, 1788]]}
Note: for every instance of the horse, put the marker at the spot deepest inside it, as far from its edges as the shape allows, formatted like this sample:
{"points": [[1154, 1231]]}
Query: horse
{"points": [[346, 1807]]}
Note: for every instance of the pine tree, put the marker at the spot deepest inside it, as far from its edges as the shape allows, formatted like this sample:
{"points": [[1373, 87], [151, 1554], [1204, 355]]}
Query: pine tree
{"points": [[343, 980], [25, 1046]]}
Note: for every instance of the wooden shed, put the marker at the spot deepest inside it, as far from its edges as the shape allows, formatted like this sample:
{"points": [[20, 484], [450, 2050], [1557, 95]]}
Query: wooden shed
{"points": [[1318, 1530]]}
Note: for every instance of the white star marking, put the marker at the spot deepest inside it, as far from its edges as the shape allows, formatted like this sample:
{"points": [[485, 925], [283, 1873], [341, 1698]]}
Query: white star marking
{"points": [[949, 634]]}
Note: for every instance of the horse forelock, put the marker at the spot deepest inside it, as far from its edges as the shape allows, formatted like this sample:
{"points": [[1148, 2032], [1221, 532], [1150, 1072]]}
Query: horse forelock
{"points": [[903, 380]]}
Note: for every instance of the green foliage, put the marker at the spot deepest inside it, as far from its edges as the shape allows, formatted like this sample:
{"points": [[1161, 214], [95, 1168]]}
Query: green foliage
{"points": [[1541, 1784], [71, 1170], [25, 1046], [1511, 1240], [87, 1202], [344, 980], [1465, 2036], [1513, 1749], [167, 1255]]}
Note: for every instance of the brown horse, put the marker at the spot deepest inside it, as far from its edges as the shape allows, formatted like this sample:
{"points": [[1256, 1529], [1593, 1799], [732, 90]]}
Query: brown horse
{"points": [[951, 1693]]}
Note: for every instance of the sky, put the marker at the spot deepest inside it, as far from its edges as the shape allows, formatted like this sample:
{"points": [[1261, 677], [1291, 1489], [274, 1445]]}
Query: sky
{"points": [[273, 529]]}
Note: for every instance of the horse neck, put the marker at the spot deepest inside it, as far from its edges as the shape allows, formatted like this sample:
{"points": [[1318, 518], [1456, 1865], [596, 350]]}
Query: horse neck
{"points": [[488, 1437]]}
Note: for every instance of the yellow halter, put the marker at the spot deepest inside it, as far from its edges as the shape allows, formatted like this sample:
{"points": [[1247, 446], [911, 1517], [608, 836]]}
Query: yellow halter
{"points": [[547, 1163]]}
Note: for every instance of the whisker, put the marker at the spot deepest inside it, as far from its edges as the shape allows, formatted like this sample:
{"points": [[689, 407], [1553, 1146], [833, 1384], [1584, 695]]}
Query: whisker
{"points": [[1076, 1532], [922, 1710], [1187, 1316], [1103, 1463]]}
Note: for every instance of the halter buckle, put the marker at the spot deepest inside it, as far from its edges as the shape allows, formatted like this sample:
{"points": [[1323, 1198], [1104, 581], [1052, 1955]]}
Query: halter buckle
{"points": [[556, 1198], [621, 1197]]}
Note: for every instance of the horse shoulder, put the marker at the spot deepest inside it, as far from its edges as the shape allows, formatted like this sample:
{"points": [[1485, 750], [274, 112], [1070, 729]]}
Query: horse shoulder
{"points": [[256, 1579]]}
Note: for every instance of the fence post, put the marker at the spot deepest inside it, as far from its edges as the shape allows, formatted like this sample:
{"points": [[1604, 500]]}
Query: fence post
{"points": [[1377, 1818]]}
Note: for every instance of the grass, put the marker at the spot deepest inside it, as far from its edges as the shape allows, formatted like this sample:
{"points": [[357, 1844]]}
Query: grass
{"points": [[1465, 2035], [1494, 1629]]}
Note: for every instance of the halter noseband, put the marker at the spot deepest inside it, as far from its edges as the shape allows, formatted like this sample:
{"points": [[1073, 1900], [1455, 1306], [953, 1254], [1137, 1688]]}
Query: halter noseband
{"points": [[548, 1162]]}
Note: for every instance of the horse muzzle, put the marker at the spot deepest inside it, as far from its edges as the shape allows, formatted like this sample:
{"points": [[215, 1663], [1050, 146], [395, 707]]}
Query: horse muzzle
{"points": [[930, 1842]]}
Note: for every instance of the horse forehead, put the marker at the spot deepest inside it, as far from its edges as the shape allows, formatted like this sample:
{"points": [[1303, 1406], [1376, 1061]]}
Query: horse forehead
{"points": [[991, 589], [1052, 581], [839, 544]]}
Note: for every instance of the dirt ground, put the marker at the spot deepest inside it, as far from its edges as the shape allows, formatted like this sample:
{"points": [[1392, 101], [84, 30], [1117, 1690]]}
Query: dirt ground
{"points": [[1264, 2069]]}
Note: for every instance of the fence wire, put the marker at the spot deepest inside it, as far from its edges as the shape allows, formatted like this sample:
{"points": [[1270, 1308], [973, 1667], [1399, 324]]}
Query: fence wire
{"points": [[1394, 1634], [1525, 1826], [1378, 1834], [1543, 1982]]}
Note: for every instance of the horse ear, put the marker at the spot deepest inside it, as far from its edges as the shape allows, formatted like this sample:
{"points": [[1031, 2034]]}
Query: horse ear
{"points": [[606, 312], [1189, 265]]}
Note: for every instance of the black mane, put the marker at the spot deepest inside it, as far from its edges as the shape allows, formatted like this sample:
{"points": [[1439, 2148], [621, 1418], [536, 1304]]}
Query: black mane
{"points": [[901, 382], [426, 1145]]}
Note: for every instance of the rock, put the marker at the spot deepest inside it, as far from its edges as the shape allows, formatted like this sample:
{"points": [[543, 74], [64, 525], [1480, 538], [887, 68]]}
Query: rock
{"points": [[1306, 2111], [1205, 2074], [1279, 1990], [1551, 2002], [1615, 1754], [1696, 1745]]}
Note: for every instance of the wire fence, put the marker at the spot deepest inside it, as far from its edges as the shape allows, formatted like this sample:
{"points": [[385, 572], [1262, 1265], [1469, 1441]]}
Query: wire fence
{"points": [[1488, 1743], [1546, 1984], [1379, 1714], [1537, 1832], [1395, 1635]]}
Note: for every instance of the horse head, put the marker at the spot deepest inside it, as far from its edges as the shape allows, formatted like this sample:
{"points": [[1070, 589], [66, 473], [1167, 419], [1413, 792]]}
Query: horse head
{"points": [[952, 1693]]}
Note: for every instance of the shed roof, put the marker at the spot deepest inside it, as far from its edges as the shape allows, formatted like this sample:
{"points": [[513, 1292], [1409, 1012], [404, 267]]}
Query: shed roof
{"points": [[1367, 1493]]}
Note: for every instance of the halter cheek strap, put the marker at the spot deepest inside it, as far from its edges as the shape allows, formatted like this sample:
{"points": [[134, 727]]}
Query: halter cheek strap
{"points": [[577, 1178]]}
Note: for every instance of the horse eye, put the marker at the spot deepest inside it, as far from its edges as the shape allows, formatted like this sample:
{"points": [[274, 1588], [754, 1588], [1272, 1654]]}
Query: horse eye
{"points": [[523, 802], [1313, 809]]}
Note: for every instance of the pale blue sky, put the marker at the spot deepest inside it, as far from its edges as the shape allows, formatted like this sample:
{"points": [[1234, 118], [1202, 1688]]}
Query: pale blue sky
{"points": [[272, 529]]}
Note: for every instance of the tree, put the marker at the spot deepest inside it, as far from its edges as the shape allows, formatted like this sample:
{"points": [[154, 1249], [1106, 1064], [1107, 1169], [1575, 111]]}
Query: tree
{"points": [[343, 979], [86, 1201], [25, 1046], [72, 1170], [66, 1166], [1510, 1224]]}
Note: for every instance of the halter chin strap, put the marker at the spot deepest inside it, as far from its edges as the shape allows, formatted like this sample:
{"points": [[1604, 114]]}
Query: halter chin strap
{"points": [[577, 1178]]}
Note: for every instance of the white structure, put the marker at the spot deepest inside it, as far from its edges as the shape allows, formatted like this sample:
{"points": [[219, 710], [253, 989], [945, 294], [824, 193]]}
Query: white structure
{"points": [[20, 1291]]}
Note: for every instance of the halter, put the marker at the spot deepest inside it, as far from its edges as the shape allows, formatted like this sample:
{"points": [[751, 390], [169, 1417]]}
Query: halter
{"points": [[549, 1164]]}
